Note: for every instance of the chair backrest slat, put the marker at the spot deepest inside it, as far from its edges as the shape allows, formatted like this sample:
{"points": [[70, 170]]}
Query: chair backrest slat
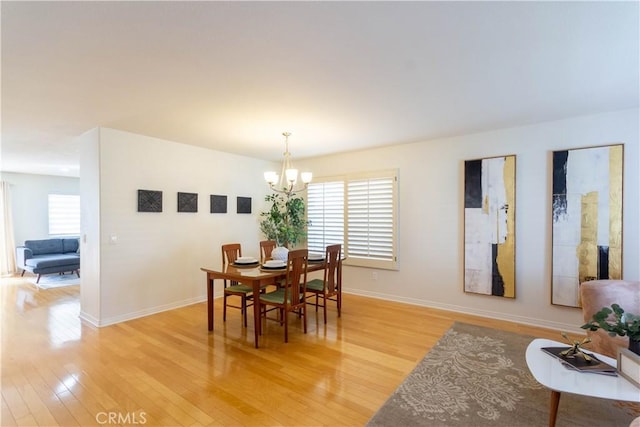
{"points": [[230, 253], [296, 284], [332, 268], [266, 247]]}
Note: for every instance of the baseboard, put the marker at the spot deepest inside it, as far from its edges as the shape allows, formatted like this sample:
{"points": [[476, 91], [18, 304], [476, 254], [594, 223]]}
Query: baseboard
{"points": [[530, 321], [93, 321], [141, 313], [558, 326]]}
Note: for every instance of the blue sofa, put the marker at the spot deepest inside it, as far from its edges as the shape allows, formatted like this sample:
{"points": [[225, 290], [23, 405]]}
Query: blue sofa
{"points": [[49, 256]]}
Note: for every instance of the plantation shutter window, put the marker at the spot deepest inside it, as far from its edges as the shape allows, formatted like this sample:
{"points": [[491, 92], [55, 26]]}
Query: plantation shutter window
{"points": [[370, 219], [359, 211], [325, 212]]}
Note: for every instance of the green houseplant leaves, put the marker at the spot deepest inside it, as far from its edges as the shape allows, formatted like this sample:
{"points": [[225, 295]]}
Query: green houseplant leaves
{"points": [[285, 221], [622, 323]]}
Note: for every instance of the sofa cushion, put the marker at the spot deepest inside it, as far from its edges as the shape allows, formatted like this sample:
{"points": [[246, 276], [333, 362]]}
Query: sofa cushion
{"points": [[44, 261], [70, 245], [45, 246]]}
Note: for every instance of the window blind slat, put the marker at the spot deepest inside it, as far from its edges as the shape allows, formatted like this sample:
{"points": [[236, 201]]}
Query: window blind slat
{"points": [[64, 214]]}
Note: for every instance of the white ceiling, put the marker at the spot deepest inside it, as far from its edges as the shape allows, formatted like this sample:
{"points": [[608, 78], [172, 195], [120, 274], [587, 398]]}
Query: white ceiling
{"points": [[339, 75]]}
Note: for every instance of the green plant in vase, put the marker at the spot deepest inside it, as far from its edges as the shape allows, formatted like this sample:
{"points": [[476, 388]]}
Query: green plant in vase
{"points": [[285, 221], [621, 323]]}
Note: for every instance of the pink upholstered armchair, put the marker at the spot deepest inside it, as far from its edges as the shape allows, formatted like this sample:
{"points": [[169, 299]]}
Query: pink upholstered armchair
{"points": [[597, 294]]}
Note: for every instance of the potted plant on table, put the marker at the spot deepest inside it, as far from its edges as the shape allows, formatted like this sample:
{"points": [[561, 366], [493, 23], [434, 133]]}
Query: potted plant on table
{"points": [[284, 222], [621, 323]]}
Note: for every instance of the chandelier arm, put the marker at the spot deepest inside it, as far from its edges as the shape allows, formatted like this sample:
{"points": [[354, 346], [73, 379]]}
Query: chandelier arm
{"points": [[290, 191], [286, 181]]}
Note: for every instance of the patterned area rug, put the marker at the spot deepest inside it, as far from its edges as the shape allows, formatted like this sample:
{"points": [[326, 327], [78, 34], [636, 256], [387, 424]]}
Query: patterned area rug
{"points": [[56, 280], [477, 376]]}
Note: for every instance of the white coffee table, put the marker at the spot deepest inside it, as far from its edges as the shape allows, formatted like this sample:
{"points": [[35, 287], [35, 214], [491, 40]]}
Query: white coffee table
{"points": [[550, 372]]}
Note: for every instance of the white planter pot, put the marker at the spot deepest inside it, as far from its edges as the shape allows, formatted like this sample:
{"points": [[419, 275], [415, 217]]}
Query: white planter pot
{"points": [[280, 252]]}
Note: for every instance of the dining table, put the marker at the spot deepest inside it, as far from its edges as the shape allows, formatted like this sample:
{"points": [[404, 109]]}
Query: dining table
{"points": [[249, 275]]}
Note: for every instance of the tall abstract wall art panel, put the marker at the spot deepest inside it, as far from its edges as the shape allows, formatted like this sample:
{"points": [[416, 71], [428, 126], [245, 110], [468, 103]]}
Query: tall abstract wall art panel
{"points": [[586, 218], [489, 226]]}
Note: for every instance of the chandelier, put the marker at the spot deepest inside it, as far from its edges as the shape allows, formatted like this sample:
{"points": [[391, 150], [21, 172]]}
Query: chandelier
{"points": [[286, 182]]}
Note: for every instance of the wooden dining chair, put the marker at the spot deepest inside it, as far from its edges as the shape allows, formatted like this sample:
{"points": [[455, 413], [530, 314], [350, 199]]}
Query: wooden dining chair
{"points": [[330, 287], [290, 298], [230, 253], [266, 247]]}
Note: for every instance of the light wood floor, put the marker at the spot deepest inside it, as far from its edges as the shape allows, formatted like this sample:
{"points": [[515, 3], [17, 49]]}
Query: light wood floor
{"points": [[168, 370]]}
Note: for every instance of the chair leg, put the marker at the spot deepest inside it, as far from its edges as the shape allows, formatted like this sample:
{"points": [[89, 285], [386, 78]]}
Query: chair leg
{"points": [[324, 307], [339, 303], [316, 302], [304, 315], [224, 310], [244, 310], [286, 326], [38, 279]]}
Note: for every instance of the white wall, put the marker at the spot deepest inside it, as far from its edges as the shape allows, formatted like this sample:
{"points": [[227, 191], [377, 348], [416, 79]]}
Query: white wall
{"points": [[431, 214], [30, 202], [155, 262], [90, 289]]}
